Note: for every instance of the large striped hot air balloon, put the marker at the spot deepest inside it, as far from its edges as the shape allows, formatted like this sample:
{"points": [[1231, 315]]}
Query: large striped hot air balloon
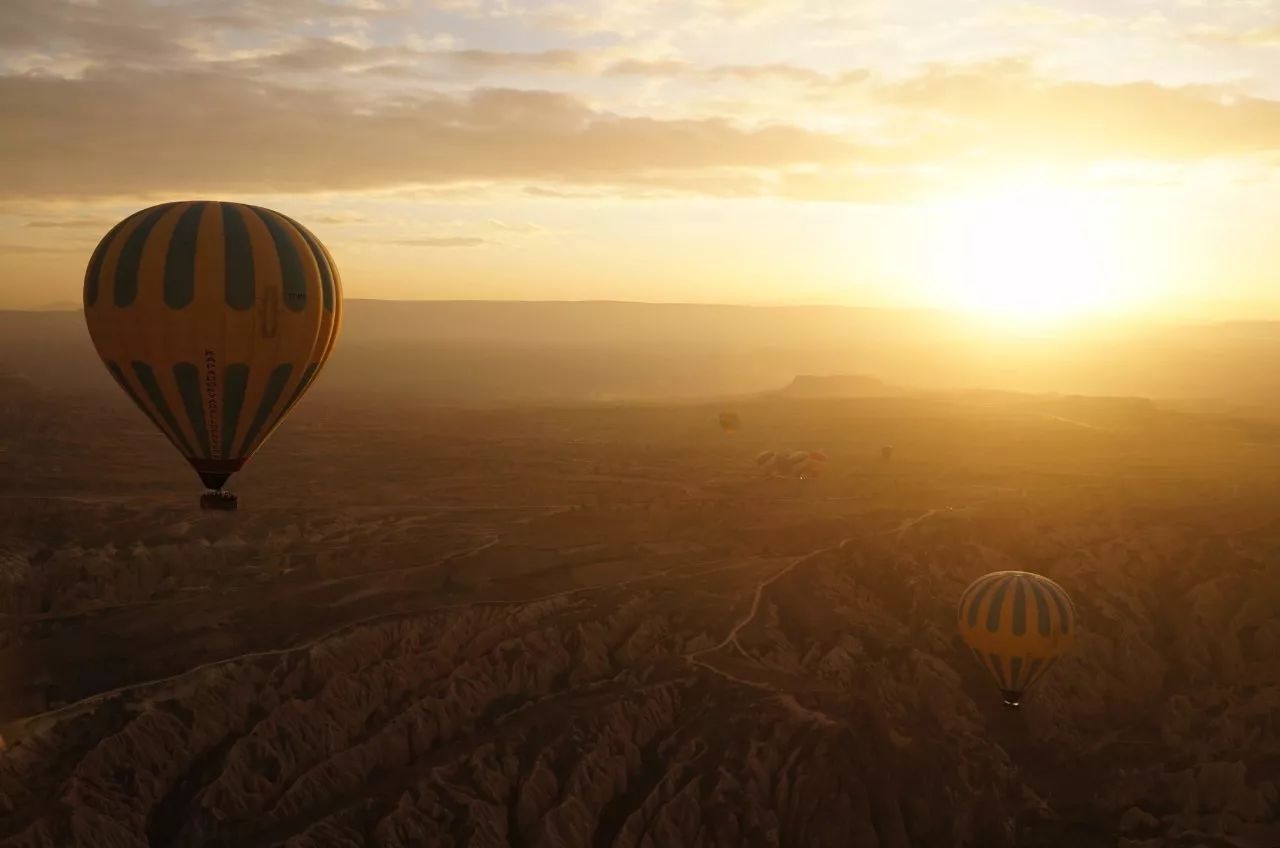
{"points": [[1017, 624], [214, 318]]}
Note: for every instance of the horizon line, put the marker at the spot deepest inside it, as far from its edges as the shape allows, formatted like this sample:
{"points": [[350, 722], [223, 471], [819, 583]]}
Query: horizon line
{"points": [[938, 311]]}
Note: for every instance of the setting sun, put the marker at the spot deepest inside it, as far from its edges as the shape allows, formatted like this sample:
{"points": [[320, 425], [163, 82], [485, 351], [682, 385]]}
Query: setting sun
{"points": [[1032, 253]]}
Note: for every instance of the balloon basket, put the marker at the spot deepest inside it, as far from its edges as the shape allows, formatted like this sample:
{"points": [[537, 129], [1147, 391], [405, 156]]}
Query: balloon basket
{"points": [[219, 501]]}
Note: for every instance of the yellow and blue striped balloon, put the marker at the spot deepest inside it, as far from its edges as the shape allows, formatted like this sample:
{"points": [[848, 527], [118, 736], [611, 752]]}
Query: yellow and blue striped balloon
{"points": [[214, 318], [1017, 624]]}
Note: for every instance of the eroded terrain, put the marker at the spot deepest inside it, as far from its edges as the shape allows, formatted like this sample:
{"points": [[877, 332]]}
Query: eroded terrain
{"points": [[604, 626]]}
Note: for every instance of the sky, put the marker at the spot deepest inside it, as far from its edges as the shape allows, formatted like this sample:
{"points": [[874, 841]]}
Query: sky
{"points": [[1086, 158]]}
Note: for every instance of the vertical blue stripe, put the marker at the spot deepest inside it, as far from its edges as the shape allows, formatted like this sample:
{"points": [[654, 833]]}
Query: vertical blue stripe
{"points": [[327, 288], [1019, 606], [292, 278], [963, 606], [978, 595], [1032, 671], [180, 260], [997, 605], [188, 379], [92, 277], [1043, 624], [126, 291], [275, 387], [997, 665], [238, 252], [148, 380], [1015, 672], [133, 396], [303, 384], [1063, 603], [234, 382], [1042, 671]]}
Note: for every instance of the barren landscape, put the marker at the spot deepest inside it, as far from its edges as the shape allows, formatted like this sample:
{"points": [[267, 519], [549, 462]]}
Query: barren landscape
{"points": [[602, 624]]}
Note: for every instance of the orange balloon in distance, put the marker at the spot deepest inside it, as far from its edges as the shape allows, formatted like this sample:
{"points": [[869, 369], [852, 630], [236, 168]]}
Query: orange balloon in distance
{"points": [[214, 318]]}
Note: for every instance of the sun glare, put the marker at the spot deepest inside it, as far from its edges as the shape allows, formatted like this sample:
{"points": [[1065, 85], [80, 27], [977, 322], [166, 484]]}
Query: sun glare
{"points": [[1030, 255]]}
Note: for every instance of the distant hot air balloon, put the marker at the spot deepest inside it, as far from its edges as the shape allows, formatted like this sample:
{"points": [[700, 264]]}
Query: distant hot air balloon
{"points": [[1017, 624], [886, 451], [817, 462], [803, 464], [214, 318], [730, 422]]}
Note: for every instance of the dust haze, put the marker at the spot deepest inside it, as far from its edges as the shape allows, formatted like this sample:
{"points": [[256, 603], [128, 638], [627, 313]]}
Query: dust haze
{"points": [[502, 580]]}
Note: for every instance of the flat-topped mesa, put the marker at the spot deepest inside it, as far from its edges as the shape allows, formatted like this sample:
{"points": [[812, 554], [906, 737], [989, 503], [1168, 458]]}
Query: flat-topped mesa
{"points": [[835, 385]]}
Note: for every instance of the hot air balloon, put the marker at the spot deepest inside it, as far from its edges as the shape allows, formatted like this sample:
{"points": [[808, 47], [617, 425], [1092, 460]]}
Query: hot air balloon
{"points": [[214, 318], [730, 422], [1017, 624], [886, 451], [817, 462], [804, 464]]}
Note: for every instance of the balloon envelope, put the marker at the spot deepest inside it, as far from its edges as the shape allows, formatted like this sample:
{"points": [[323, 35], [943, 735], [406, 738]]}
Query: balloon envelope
{"points": [[214, 318], [730, 422], [1016, 624]]}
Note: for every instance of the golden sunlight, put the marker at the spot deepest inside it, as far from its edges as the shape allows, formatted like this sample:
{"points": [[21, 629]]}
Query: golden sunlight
{"points": [[1034, 253]]}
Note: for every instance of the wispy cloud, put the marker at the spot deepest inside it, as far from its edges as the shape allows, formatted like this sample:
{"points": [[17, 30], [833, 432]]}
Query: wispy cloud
{"points": [[338, 218], [203, 133], [1262, 36], [442, 241], [68, 223], [36, 249]]}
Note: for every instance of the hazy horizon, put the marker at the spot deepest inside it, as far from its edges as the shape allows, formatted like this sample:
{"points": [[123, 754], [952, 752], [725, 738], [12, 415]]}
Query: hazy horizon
{"points": [[1202, 314]]}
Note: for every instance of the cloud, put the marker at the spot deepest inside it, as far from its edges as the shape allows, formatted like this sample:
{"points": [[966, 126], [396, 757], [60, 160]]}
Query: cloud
{"points": [[37, 249], [1264, 36], [139, 34], [746, 74], [69, 223], [134, 99], [560, 194], [326, 55], [1004, 108], [1035, 15], [522, 227], [175, 134], [442, 241], [337, 218], [141, 134]]}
